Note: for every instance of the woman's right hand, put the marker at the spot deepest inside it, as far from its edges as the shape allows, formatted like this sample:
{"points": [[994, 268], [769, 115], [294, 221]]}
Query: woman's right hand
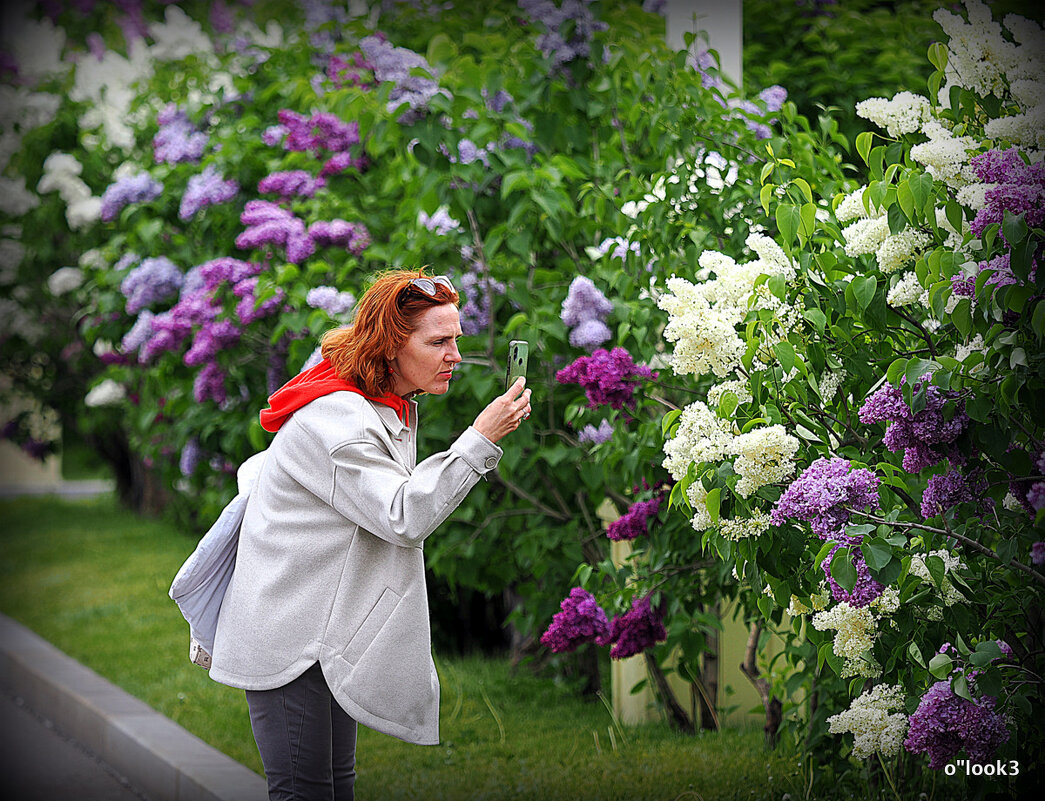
{"points": [[505, 412]]}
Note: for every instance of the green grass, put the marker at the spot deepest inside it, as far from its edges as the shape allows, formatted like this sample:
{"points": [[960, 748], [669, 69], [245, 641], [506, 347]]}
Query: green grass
{"points": [[93, 580]]}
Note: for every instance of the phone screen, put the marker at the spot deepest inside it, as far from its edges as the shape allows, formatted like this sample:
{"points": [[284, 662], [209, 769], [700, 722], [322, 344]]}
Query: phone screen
{"points": [[518, 352]]}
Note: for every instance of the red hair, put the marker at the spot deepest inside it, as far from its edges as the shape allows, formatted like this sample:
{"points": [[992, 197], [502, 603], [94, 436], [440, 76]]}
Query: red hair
{"points": [[384, 318]]}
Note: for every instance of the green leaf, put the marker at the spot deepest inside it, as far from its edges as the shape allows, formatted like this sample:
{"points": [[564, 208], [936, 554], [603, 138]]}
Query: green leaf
{"points": [[1037, 321], [938, 55], [843, 570], [727, 405], [916, 653], [864, 287], [788, 218], [962, 316], [803, 184], [955, 216], [896, 370], [513, 181], [1014, 228], [785, 352], [905, 198], [863, 145], [940, 665], [713, 503], [937, 570], [825, 549], [668, 421], [808, 220], [916, 368], [819, 319], [960, 685], [877, 553], [516, 320], [765, 195]]}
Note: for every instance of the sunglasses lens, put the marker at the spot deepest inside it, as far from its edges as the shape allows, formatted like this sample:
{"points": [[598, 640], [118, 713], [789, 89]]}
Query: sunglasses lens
{"points": [[428, 285]]}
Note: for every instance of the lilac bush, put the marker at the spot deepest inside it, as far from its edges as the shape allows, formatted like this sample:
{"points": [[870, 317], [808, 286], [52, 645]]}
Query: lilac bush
{"points": [[609, 378]]}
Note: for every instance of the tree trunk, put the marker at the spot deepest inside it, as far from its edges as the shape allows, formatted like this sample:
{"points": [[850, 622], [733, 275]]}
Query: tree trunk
{"points": [[677, 717], [708, 688], [773, 707]]}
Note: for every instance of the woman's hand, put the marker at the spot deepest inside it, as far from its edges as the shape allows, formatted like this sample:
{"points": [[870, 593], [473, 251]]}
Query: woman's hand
{"points": [[505, 412]]}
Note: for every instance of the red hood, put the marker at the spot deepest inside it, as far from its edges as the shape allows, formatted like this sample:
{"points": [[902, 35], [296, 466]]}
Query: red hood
{"points": [[314, 383]]}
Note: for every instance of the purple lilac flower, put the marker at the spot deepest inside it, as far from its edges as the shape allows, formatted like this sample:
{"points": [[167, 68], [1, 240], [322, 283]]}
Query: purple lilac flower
{"points": [[126, 260], [440, 222], [248, 309], [1037, 553], [823, 495], [354, 237], [634, 522], [217, 271], [330, 300], [581, 620], [139, 334], [291, 183], [190, 457], [774, 97], [609, 378], [596, 436], [321, 131], [584, 302], [139, 188], [590, 334], [153, 281], [1036, 496], [194, 281], [866, 588], [340, 162], [497, 102], [636, 630], [177, 140], [221, 17], [1016, 187], [945, 724], [274, 135], [270, 224], [211, 337], [1002, 272], [209, 188], [353, 71], [620, 247], [574, 18], [918, 435], [395, 64], [169, 332], [963, 286], [96, 44], [210, 384], [946, 491]]}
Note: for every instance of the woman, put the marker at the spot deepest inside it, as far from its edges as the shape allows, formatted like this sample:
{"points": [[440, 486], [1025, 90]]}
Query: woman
{"points": [[325, 621]]}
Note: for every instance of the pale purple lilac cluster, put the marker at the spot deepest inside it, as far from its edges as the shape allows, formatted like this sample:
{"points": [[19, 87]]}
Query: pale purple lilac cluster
{"points": [[208, 188], [153, 281], [573, 19], [440, 223], [209, 384], [945, 724], [824, 495], [581, 620], [596, 436], [330, 300], [1002, 274], [584, 311], [222, 20], [318, 134], [771, 98], [139, 188], [270, 224], [395, 64], [1015, 186], [353, 237], [291, 183], [866, 588], [609, 378], [619, 245], [354, 70], [635, 522], [190, 457], [927, 437], [477, 292], [177, 140]]}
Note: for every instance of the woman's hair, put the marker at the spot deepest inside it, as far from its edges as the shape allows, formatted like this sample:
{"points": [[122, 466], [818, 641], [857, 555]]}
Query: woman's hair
{"points": [[384, 318]]}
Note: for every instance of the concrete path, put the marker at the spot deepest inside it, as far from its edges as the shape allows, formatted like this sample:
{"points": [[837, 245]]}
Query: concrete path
{"points": [[160, 760]]}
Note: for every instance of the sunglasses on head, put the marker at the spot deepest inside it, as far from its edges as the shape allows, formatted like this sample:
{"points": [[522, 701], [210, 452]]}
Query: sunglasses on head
{"points": [[428, 285]]}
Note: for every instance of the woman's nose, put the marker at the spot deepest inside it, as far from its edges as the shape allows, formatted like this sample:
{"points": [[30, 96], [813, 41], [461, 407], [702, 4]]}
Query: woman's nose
{"points": [[454, 356]]}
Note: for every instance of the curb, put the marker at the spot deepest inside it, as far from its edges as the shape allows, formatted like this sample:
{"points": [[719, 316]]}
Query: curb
{"points": [[158, 757]]}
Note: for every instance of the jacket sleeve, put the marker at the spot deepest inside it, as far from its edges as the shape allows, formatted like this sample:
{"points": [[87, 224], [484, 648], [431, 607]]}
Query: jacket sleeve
{"points": [[370, 488]]}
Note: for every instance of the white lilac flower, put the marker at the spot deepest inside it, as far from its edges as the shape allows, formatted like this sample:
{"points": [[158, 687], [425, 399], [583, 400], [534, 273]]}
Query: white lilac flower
{"points": [[330, 300], [1011, 503], [852, 207], [764, 456], [865, 235], [855, 629], [440, 222], [906, 291], [887, 603], [829, 383], [873, 724], [26, 110], [178, 36], [35, 46], [64, 280], [697, 495], [82, 213], [966, 349], [1025, 130], [11, 254], [702, 436], [739, 528], [946, 156], [948, 593], [107, 88], [738, 387], [978, 54], [705, 337], [973, 196], [15, 198], [771, 255], [106, 393], [904, 114]]}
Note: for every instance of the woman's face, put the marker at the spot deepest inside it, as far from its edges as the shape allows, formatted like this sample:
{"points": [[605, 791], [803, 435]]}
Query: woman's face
{"points": [[427, 359]]}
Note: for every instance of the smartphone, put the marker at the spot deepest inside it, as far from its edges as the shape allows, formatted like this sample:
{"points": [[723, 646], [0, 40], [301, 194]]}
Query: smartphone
{"points": [[518, 352]]}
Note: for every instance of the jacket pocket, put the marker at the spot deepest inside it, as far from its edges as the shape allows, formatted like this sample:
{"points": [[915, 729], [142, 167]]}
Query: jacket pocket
{"points": [[372, 625]]}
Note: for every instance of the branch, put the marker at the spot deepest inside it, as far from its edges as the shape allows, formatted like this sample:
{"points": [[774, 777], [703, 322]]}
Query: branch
{"points": [[925, 334], [478, 240], [515, 489]]}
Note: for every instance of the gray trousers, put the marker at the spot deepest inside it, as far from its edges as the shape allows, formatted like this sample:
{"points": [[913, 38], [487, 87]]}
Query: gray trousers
{"points": [[307, 741]]}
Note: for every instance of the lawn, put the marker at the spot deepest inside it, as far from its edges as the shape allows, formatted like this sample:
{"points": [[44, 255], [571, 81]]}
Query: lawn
{"points": [[93, 580]]}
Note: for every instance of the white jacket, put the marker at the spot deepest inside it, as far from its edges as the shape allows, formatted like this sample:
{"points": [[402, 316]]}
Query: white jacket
{"points": [[330, 565]]}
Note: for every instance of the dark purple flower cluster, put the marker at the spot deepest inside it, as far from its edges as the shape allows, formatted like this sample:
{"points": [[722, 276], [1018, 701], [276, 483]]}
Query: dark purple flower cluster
{"points": [[866, 588], [635, 522], [944, 724], [209, 188], [1017, 187], [270, 224], [212, 336], [222, 19], [584, 311], [353, 237], [352, 71], [964, 286], [177, 140], [291, 183], [609, 378], [217, 271], [319, 133], [139, 188], [152, 281], [824, 494], [248, 309], [210, 384], [636, 630], [573, 19], [926, 437], [1037, 553], [581, 620], [950, 489], [1002, 274]]}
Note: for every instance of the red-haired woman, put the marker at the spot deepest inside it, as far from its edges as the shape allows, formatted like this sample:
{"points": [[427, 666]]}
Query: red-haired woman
{"points": [[325, 621]]}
